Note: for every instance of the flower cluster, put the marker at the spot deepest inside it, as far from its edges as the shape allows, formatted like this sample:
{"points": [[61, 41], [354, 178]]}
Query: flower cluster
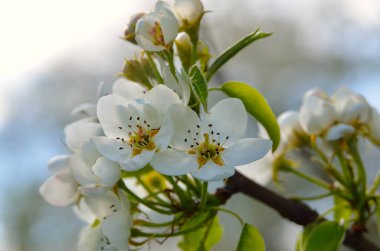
{"points": [[151, 144], [330, 129]]}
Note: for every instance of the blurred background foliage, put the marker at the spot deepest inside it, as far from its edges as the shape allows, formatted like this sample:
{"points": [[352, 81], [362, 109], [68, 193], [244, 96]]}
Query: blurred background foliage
{"points": [[55, 54]]}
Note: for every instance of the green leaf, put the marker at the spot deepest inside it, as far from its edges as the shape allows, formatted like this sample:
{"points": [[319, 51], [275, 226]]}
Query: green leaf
{"points": [[256, 105], [202, 239], [199, 85], [233, 50], [326, 236], [250, 239], [342, 210]]}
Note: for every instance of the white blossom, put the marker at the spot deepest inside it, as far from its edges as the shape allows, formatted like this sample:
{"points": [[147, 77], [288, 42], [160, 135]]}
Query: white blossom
{"points": [[351, 108], [316, 113], [157, 30], [135, 129], [209, 148], [111, 229]]}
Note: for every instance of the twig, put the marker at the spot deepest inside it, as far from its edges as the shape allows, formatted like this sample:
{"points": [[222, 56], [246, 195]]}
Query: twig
{"points": [[292, 210]]}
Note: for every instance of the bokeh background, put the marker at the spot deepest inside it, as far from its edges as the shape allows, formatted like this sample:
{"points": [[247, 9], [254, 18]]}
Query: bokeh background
{"points": [[53, 55]]}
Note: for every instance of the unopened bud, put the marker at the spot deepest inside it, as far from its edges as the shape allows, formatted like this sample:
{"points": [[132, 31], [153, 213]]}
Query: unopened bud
{"points": [[129, 33], [138, 71]]}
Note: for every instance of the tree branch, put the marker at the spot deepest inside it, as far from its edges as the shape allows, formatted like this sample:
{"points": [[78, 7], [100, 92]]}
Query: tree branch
{"points": [[292, 210]]}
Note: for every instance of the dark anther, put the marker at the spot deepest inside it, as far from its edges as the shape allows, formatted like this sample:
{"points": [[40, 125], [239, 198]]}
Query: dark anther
{"points": [[188, 131], [120, 127], [185, 140], [210, 125], [198, 126], [130, 118]]}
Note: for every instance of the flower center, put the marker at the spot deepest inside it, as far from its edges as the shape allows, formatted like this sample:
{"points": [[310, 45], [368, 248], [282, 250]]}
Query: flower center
{"points": [[157, 35], [140, 137]]}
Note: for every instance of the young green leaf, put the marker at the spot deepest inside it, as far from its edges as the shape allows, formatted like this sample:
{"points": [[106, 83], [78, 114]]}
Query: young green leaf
{"points": [[233, 50], [256, 105], [199, 85], [202, 239], [326, 236], [250, 239]]}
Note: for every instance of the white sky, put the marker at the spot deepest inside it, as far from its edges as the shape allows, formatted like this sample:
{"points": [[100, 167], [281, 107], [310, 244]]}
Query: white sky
{"points": [[34, 32]]}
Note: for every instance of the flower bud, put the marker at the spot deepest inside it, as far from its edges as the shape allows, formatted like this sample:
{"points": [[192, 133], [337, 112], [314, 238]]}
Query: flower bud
{"points": [[189, 12], [184, 49], [316, 113], [203, 54], [350, 107], [138, 71], [291, 131], [157, 30], [129, 33]]}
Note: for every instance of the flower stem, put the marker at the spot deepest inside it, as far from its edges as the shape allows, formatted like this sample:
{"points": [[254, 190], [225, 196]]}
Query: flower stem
{"points": [[142, 201], [154, 67], [222, 209], [204, 193], [311, 179]]}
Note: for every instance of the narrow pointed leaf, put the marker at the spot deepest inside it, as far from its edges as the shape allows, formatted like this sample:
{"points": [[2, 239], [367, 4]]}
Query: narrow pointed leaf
{"points": [[250, 239], [233, 50], [199, 85], [256, 105]]}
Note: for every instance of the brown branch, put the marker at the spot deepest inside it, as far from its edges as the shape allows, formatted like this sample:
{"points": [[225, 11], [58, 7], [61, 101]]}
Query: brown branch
{"points": [[292, 210]]}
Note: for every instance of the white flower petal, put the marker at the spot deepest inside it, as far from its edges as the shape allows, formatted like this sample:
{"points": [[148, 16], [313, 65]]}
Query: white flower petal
{"points": [[93, 190], [184, 120], [260, 171], [117, 228], [169, 25], [108, 171], [85, 108], [213, 172], [189, 10], [59, 164], [82, 170], [163, 137], [138, 161], [172, 162], [316, 115], [290, 126], [112, 149], [59, 190], [162, 98], [339, 131], [83, 212], [246, 151], [351, 107], [147, 44], [104, 89], [128, 89], [229, 118], [103, 205], [80, 131], [109, 116]]}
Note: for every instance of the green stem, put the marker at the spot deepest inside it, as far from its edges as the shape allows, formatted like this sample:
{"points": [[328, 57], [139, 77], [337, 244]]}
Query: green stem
{"points": [[376, 184], [347, 172], [311, 179], [170, 59], [194, 52], [139, 233], [316, 197], [229, 212], [178, 190], [142, 201], [204, 193], [154, 67], [152, 194]]}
